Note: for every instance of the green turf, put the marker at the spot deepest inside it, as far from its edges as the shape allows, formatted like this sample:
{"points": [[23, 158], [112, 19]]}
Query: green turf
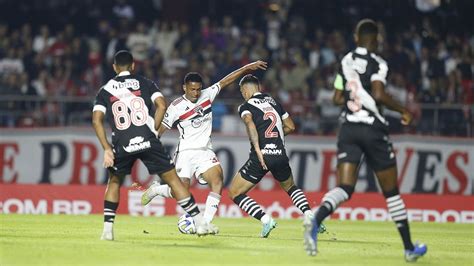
{"points": [[74, 240]]}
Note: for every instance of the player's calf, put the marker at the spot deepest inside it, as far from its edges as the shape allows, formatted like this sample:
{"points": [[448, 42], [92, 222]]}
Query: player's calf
{"points": [[397, 209], [214, 179], [332, 200], [301, 202]]}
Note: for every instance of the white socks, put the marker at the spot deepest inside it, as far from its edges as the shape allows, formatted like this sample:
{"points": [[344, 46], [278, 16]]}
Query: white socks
{"points": [[108, 227], [162, 190], [212, 203], [265, 219]]}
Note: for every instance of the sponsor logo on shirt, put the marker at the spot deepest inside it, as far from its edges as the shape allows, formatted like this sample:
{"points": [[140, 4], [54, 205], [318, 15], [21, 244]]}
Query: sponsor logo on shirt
{"points": [[198, 121], [128, 84]]}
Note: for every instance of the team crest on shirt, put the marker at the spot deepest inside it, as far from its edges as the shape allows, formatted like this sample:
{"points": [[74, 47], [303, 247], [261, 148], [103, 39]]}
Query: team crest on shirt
{"points": [[199, 110]]}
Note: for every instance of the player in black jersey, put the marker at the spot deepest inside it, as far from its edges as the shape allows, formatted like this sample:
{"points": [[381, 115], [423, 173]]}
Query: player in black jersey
{"points": [[130, 101], [359, 88], [267, 124]]}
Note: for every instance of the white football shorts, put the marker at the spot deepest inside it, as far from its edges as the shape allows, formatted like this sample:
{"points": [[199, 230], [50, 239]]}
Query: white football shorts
{"points": [[193, 163]]}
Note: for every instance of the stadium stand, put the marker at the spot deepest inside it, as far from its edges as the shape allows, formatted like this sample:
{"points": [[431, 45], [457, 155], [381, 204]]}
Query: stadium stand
{"points": [[51, 69]]}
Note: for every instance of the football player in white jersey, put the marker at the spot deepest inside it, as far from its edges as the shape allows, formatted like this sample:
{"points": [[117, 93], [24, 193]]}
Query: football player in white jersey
{"points": [[192, 115]]}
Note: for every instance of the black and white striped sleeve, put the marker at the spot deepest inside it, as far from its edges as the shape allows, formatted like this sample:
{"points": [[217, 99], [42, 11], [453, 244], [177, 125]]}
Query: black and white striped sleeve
{"points": [[381, 70], [100, 103], [244, 109]]}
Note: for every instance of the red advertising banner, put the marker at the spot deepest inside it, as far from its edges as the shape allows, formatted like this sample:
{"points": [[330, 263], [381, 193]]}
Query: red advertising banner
{"points": [[84, 199], [70, 156]]}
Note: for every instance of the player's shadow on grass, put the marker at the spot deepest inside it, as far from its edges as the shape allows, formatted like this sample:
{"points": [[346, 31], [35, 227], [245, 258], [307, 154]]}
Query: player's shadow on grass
{"points": [[278, 238], [321, 239]]}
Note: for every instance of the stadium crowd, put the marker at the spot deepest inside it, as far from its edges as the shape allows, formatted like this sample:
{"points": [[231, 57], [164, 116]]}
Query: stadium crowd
{"points": [[430, 64]]}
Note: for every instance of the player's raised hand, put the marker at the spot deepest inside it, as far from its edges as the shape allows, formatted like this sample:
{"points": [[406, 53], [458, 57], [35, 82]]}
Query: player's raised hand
{"points": [[407, 117], [261, 159], [257, 65], [108, 158]]}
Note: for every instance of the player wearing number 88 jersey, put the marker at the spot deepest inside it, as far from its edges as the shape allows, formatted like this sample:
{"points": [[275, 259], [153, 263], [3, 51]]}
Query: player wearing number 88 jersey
{"points": [[130, 102], [129, 99]]}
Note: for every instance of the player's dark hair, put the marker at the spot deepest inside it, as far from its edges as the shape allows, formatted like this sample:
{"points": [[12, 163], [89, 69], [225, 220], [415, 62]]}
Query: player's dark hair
{"points": [[123, 58], [192, 77], [249, 79], [366, 27]]}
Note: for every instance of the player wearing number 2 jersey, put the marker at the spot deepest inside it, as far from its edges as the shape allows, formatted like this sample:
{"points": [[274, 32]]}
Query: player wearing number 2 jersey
{"points": [[359, 88], [134, 106], [267, 124]]}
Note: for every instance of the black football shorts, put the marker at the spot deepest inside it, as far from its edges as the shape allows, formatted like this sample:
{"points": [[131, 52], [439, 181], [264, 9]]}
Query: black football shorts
{"points": [[356, 140], [156, 159], [279, 166]]}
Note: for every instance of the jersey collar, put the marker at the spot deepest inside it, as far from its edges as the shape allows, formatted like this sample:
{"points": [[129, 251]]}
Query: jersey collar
{"points": [[257, 93], [361, 50], [123, 73]]}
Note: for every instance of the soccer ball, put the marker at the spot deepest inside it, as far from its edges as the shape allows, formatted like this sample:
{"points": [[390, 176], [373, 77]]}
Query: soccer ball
{"points": [[186, 224]]}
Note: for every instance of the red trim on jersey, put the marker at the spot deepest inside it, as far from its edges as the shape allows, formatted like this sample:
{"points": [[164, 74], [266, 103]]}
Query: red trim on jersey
{"points": [[193, 111], [175, 102], [136, 93]]}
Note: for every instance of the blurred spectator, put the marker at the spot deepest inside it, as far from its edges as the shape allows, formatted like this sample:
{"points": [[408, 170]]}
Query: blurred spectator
{"points": [[139, 42], [430, 56]]}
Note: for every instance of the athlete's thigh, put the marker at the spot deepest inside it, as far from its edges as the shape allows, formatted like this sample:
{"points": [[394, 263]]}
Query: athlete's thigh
{"points": [[347, 174], [378, 149], [349, 148], [185, 167], [279, 167], [122, 165], [212, 173], [240, 185], [252, 171], [207, 166], [156, 159]]}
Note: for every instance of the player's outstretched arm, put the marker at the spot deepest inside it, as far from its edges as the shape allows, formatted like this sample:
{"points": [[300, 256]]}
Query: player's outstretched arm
{"points": [[288, 125], [381, 97], [160, 104], [253, 136], [98, 124], [242, 71]]}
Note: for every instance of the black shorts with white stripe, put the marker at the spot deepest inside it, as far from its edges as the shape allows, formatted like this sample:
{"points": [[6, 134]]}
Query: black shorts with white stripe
{"points": [[156, 159], [279, 166]]}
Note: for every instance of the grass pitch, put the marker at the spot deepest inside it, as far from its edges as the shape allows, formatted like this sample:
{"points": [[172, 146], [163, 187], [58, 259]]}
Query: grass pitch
{"points": [[74, 240]]}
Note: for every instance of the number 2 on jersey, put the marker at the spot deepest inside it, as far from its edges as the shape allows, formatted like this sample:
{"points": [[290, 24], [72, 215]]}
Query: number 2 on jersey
{"points": [[269, 132], [137, 116]]}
